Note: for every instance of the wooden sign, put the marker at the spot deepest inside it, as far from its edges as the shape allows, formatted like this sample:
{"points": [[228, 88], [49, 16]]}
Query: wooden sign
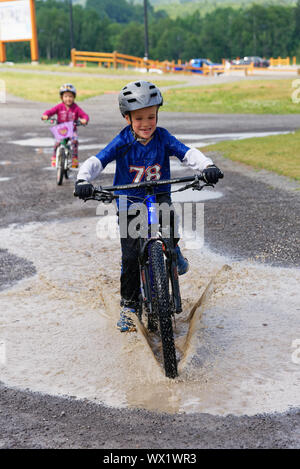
{"points": [[18, 23]]}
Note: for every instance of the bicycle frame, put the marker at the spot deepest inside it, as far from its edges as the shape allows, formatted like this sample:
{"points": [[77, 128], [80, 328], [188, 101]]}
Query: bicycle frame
{"points": [[65, 143], [105, 194], [170, 259]]}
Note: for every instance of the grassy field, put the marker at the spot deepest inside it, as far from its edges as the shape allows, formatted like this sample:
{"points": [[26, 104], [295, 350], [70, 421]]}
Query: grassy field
{"points": [[243, 97], [44, 87], [90, 69], [176, 9], [278, 153]]}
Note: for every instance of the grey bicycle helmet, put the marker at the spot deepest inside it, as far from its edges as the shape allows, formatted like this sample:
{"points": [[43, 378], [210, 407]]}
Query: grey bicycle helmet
{"points": [[137, 95], [67, 87]]}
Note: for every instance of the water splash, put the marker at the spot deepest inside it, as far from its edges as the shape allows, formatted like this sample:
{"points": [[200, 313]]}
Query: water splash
{"points": [[234, 338]]}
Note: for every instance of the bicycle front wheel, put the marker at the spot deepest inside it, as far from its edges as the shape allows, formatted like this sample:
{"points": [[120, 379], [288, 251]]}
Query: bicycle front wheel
{"points": [[60, 166], [161, 304], [67, 164]]}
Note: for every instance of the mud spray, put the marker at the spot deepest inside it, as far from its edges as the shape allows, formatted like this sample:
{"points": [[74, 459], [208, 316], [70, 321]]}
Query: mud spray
{"points": [[234, 338]]}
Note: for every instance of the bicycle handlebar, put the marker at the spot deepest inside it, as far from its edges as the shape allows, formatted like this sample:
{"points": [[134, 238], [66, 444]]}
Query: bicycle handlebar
{"points": [[196, 178], [140, 185], [54, 121], [103, 194]]}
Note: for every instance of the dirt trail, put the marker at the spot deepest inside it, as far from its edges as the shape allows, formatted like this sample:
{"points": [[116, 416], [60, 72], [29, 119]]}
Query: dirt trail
{"points": [[56, 330], [60, 335]]}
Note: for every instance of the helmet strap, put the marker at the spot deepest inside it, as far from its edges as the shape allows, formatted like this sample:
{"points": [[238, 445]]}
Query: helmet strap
{"points": [[137, 137]]}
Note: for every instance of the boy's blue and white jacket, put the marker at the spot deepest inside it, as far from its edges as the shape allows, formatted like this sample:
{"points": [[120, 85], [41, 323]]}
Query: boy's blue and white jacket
{"points": [[136, 162]]}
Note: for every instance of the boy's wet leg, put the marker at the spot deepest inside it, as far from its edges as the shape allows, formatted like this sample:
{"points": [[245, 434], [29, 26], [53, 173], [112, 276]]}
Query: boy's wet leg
{"points": [[130, 282], [182, 262]]}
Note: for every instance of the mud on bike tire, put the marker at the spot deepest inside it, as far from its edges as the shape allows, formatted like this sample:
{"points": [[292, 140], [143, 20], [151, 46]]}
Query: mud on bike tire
{"points": [[161, 304]]}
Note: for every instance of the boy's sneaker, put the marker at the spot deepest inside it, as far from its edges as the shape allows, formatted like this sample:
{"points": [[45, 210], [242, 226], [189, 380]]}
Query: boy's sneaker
{"points": [[182, 262], [74, 162], [126, 323], [53, 161]]}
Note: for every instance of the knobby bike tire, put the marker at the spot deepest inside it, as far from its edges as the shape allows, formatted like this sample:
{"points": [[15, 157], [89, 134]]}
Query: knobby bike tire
{"points": [[162, 306], [68, 157], [60, 166]]}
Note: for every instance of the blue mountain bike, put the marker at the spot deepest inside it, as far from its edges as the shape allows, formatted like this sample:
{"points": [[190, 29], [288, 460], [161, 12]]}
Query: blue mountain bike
{"points": [[160, 296]]}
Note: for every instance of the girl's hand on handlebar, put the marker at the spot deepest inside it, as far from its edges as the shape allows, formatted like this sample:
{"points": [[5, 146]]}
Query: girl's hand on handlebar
{"points": [[83, 121], [44, 117]]}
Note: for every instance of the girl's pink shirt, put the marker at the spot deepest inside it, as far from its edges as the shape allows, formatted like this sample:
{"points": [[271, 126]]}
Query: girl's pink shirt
{"points": [[65, 115]]}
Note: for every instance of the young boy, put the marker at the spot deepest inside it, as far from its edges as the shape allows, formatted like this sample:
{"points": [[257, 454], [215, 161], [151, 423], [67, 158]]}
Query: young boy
{"points": [[67, 111], [142, 152]]}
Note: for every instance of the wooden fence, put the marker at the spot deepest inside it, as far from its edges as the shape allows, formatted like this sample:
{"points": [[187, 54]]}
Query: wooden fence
{"points": [[282, 62], [115, 60]]}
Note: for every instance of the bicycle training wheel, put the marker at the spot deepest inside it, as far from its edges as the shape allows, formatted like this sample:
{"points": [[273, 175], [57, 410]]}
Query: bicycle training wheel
{"points": [[60, 166], [162, 306]]}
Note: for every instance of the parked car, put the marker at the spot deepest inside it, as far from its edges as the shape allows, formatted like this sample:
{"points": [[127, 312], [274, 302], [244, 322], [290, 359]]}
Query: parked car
{"points": [[239, 62], [257, 61], [199, 63]]}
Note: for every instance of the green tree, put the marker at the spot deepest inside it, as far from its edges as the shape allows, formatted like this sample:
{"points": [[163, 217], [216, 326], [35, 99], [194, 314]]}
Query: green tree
{"points": [[53, 29], [131, 40]]}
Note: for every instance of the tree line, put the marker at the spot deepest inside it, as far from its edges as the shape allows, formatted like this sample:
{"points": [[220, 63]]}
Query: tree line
{"points": [[108, 25]]}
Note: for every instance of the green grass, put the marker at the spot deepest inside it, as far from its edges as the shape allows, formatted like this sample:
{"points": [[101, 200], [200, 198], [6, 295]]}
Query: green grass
{"points": [[176, 9], [90, 69], [243, 97], [44, 87], [278, 153]]}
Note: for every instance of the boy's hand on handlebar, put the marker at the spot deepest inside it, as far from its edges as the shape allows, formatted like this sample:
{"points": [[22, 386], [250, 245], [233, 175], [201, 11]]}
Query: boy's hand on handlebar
{"points": [[83, 189], [212, 174]]}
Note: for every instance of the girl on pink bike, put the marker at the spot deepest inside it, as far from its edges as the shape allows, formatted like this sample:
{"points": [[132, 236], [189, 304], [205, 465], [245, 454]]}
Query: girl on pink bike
{"points": [[67, 111]]}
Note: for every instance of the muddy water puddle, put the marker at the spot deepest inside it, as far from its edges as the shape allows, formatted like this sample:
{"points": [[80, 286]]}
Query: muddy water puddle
{"points": [[234, 338]]}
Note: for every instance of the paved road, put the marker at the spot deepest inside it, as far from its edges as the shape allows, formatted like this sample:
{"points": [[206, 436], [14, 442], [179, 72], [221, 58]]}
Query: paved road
{"points": [[258, 216]]}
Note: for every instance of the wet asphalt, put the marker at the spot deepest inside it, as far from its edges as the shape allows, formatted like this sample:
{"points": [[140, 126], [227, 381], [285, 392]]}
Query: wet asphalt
{"points": [[257, 218]]}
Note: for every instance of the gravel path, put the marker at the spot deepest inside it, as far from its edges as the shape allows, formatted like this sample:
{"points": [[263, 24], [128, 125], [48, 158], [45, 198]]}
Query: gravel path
{"points": [[257, 218]]}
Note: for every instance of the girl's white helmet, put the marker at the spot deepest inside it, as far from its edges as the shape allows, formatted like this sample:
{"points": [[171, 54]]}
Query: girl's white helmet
{"points": [[137, 95], [67, 87]]}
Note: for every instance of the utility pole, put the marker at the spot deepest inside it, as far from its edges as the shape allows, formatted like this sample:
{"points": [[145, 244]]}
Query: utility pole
{"points": [[146, 31], [71, 25]]}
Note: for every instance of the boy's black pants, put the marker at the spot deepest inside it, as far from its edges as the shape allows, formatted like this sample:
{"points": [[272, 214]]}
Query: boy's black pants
{"points": [[130, 276]]}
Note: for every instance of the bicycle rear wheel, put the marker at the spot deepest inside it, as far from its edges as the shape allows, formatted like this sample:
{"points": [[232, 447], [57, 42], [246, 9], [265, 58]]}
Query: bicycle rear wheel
{"points": [[161, 304], [60, 166]]}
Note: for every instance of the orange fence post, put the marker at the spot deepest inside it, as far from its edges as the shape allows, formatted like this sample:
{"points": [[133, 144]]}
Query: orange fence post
{"points": [[73, 57], [2, 52], [33, 43], [115, 59]]}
